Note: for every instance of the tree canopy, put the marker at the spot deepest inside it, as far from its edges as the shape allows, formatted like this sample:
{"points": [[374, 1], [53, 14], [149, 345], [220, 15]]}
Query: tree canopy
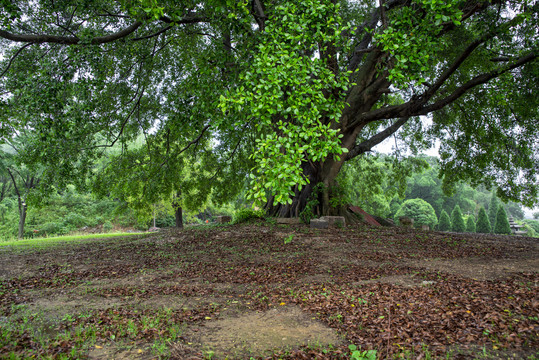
{"points": [[286, 91]]}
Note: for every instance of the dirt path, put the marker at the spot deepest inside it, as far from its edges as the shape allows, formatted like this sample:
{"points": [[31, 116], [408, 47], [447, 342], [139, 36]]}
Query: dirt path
{"points": [[241, 292]]}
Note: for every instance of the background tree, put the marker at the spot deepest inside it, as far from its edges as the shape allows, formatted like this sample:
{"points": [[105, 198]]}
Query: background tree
{"points": [[420, 211], [483, 223], [445, 222], [536, 215], [470, 224], [502, 223], [84, 78], [457, 221], [493, 211]]}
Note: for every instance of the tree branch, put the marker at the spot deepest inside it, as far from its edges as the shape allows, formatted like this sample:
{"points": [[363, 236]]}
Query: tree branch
{"points": [[13, 58], [368, 144]]}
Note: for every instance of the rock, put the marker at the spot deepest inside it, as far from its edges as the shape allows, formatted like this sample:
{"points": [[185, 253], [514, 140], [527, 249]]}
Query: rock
{"points": [[334, 220], [406, 221], [319, 224], [287, 221], [223, 219], [425, 227]]}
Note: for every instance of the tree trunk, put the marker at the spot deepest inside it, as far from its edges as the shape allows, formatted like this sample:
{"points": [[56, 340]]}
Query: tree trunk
{"points": [[316, 197], [178, 211], [22, 218]]}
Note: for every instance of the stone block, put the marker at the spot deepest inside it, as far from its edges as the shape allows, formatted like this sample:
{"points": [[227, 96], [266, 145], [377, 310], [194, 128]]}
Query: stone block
{"points": [[319, 224], [334, 220], [223, 219], [288, 221], [425, 227]]}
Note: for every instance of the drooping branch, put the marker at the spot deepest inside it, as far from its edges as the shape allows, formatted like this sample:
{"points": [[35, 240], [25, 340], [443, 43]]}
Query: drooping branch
{"points": [[74, 40], [69, 40], [368, 144]]}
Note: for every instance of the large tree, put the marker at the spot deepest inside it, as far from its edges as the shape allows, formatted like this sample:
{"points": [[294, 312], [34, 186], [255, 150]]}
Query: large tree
{"points": [[302, 86]]}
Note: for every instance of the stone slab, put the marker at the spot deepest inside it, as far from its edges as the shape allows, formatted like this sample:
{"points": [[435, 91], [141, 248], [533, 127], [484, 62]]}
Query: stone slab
{"points": [[319, 224], [334, 220], [223, 219], [366, 216]]}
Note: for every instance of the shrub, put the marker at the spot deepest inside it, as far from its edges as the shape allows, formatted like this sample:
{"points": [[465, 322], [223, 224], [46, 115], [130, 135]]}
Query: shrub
{"points": [[74, 220], [419, 210], [247, 214], [492, 211], [470, 224], [107, 226], [502, 223], [445, 222], [457, 221], [483, 223]]}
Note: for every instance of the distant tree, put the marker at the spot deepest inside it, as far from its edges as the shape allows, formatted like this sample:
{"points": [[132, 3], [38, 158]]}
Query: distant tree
{"points": [[419, 210], [457, 221], [483, 223], [536, 215], [493, 210], [502, 223], [470, 224], [445, 222]]}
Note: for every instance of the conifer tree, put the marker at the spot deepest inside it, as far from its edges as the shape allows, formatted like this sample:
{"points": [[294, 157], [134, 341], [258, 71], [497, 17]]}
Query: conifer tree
{"points": [[445, 223], [502, 223], [457, 221], [483, 224], [470, 224], [493, 210]]}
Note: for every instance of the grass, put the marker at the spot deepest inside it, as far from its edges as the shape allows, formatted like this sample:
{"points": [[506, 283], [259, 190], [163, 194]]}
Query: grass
{"points": [[62, 239]]}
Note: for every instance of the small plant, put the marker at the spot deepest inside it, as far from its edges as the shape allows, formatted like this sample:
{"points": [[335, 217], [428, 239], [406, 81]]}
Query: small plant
{"points": [[357, 354], [288, 239], [247, 214]]}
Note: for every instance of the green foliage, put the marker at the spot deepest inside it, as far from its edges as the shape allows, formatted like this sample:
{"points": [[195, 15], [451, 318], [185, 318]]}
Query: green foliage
{"points": [[470, 224], [413, 41], [445, 222], [107, 226], [373, 182], [457, 221], [284, 95], [536, 215], [533, 223], [246, 215], [483, 223], [502, 223], [357, 354], [420, 211], [493, 210]]}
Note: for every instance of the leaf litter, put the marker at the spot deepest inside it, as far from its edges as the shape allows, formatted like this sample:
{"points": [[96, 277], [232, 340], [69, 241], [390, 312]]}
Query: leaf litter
{"points": [[239, 290]]}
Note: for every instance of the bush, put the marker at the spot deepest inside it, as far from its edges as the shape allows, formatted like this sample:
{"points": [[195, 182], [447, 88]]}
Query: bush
{"points": [[483, 224], [247, 214], [107, 226], [493, 210], [419, 210], [457, 221], [74, 220], [470, 224], [445, 222], [502, 223]]}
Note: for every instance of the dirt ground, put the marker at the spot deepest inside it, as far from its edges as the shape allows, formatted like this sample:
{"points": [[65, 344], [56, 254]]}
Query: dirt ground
{"points": [[273, 291]]}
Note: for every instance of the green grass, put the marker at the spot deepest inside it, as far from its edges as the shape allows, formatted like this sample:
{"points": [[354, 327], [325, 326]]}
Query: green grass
{"points": [[62, 239]]}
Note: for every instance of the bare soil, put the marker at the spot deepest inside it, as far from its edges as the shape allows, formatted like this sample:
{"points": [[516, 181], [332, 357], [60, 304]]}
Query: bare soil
{"points": [[243, 291]]}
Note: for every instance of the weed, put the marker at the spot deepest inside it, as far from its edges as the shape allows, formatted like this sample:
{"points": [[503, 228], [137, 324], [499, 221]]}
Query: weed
{"points": [[357, 354]]}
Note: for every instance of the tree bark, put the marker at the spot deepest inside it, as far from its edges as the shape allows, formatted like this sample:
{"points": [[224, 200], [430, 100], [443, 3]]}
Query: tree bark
{"points": [[178, 211], [22, 218]]}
